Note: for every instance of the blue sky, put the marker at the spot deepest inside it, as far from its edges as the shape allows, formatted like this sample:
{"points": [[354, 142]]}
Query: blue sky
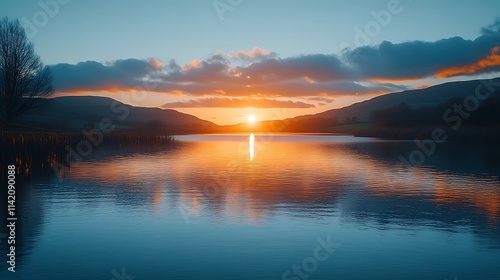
{"points": [[106, 31], [186, 30]]}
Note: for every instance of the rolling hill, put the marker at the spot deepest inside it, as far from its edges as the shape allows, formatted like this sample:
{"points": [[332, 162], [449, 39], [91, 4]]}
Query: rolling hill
{"points": [[77, 112], [430, 97]]}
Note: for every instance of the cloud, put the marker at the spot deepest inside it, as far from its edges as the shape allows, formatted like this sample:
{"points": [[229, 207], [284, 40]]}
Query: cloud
{"points": [[294, 88], [218, 102], [492, 61], [314, 67], [417, 59], [255, 53], [206, 71], [492, 29], [155, 63], [208, 77], [321, 99], [94, 76]]}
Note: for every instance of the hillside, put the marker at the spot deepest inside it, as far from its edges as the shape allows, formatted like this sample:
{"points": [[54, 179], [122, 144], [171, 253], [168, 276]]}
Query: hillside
{"points": [[431, 97]]}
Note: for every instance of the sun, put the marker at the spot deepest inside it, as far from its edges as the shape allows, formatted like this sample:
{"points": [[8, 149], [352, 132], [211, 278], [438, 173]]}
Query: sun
{"points": [[251, 119]]}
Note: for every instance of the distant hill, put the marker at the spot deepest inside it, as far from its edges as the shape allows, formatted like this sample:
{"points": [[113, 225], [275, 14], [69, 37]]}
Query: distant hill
{"points": [[77, 112], [431, 97]]}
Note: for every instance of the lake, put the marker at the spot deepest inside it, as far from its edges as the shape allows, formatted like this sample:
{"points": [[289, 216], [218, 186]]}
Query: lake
{"points": [[265, 206]]}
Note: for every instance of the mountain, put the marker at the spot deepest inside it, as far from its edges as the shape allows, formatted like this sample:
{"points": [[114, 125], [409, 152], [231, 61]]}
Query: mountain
{"points": [[431, 97], [77, 112]]}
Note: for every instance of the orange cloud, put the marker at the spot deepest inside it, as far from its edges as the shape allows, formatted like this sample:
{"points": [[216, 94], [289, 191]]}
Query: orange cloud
{"points": [[221, 102], [492, 60], [254, 53], [193, 65], [155, 63]]}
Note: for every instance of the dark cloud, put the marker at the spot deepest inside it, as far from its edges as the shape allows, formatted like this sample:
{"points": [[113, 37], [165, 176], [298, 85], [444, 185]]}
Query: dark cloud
{"points": [[294, 88], [198, 78], [206, 71], [492, 29], [417, 59], [173, 66], [316, 67], [92, 75], [321, 99]]}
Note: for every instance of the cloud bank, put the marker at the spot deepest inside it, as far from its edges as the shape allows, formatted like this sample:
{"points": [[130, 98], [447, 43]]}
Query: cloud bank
{"points": [[222, 102], [257, 77]]}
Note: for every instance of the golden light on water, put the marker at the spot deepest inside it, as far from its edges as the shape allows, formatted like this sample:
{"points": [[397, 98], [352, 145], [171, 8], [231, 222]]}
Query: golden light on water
{"points": [[189, 172], [251, 144]]}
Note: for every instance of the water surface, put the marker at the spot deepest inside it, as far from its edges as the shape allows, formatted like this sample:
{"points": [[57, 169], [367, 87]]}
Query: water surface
{"points": [[253, 206]]}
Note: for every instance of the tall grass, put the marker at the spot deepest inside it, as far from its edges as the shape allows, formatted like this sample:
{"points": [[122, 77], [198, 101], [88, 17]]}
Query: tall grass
{"points": [[36, 153]]}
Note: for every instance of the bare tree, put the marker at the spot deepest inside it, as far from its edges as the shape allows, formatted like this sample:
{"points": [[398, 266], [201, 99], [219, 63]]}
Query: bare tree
{"points": [[23, 77]]}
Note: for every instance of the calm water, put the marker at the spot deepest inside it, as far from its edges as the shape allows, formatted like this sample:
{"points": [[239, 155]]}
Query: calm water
{"points": [[262, 207]]}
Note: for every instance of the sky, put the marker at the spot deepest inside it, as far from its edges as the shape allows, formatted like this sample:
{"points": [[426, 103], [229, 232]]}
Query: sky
{"points": [[224, 60]]}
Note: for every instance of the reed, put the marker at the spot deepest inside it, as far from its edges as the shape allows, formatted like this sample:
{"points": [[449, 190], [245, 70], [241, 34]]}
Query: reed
{"points": [[36, 153]]}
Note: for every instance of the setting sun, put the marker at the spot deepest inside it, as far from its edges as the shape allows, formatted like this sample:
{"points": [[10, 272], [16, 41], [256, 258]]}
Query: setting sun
{"points": [[251, 119]]}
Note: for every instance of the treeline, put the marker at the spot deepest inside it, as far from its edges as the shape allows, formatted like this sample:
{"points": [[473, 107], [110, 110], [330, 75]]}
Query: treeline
{"points": [[311, 124], [163, 128], [447, 114]]}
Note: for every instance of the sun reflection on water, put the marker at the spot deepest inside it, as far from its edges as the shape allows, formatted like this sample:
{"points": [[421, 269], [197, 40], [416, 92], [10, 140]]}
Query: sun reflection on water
{"points": [[251, 143]]}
